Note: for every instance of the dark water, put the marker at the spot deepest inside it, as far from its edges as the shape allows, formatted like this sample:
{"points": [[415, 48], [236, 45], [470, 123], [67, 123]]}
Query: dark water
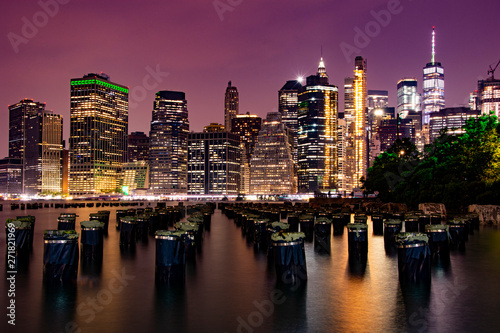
{"points": [[230, 288]]}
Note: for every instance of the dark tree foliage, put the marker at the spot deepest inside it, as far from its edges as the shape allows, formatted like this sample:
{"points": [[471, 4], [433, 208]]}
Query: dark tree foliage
{"points": [[457, 170]]}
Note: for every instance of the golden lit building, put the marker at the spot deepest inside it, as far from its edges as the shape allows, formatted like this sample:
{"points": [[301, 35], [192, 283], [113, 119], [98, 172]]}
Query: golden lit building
{"points": [[247, 126], [271, 166], [317, 134], [360, 142], [43, 154], [98, 134]]}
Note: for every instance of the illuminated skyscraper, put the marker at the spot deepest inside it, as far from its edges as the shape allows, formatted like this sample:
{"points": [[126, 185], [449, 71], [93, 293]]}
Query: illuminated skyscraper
{"points": [[347, 158], [231, 105], [433, 97], [271, 166], [247, 126], [43, 154], [408, 97], [18, 113], [360, 142], [288, 101], [317, 134], [213, 161], [349, 100], [168, 144], [98, 134]]}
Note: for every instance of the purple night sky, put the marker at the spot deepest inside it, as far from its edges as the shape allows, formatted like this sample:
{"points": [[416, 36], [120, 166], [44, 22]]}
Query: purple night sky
{"points": [[258, 45]]}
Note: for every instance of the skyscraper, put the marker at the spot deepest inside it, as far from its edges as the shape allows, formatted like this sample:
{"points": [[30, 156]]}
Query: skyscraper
{"points": [[433, 97], [247, 126], [43, 154], [231, 105], [360, 142], [346, 154], [287, 106], [408, 97], [98, 134], [168, 144], [317, 134], [214, 161], [271, 166], [18, 114]]}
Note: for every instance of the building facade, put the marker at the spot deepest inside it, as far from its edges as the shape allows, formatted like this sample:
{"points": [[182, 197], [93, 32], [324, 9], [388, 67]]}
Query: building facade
{"points": [[346, 154], [450, 119], [18, 114], [488, 96], [43, 173], [247, 126], [214, 162], [317, 134], [408, 97], [11, 176], [271, 166], [287, 106], [168, 144], [375, 118], [391, 129], [98, 134], [377, 99], [360, 121], [231, 105], [138, 147], [135, 175]]}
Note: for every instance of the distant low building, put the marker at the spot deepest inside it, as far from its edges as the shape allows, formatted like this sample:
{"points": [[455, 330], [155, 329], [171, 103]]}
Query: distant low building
{"points": [[453, 119], [136, 175], [488, 96], [11, 176]]}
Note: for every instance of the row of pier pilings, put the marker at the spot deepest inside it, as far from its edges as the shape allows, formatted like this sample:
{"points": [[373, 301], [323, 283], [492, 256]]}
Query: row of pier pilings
{"points": [[178, 246], [271, 228], [275, 228], [65, 249], [70, 204]]}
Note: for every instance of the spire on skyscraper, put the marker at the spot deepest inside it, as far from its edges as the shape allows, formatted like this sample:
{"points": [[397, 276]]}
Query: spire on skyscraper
{"points": [[322, 69], [433, 45]]}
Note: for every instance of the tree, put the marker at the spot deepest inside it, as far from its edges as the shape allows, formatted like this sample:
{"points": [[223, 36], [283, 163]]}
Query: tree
{"points": [[457, 170]]}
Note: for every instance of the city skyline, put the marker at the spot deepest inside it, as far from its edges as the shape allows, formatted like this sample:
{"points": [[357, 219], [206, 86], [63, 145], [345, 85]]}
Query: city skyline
{"points": [[217, 47]]}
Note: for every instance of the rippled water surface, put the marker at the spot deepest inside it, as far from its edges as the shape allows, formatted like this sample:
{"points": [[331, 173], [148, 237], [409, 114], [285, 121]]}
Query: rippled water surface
{"points": [[231, 288]]}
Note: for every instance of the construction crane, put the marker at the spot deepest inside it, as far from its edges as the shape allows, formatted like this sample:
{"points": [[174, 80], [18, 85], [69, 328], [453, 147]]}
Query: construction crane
{"points": [[492, 70]]}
